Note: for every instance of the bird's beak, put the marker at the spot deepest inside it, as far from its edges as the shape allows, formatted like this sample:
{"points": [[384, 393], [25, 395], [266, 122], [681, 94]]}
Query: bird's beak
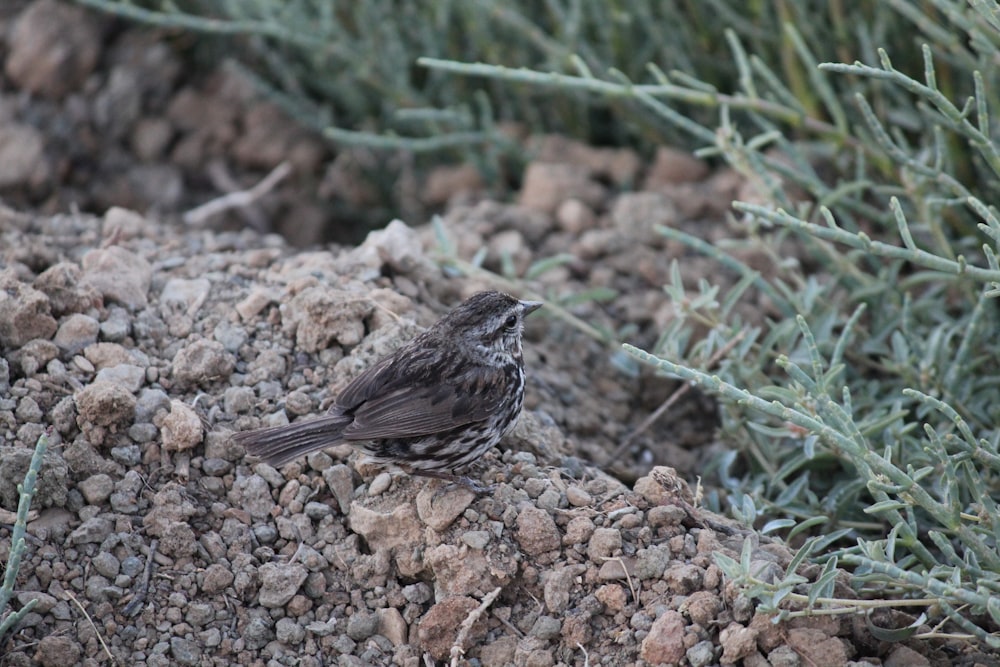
{"points": [[530, 306]]}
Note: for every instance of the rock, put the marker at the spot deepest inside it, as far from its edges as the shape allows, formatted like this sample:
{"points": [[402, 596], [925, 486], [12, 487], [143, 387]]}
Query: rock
{"points": [[118, 275], [22, 157], [557, 585], [254, 495], [392, 626], [737, 642], [904, 656], [97, 488], [672, 166], [52, 49], [61, 283], [395, 529], [52, 487], [546, 628], [340, 480], [439, 627], [397, 246], [279, 582], [547, 185], [216, 579], [438, 507], [24, 312], [76, 332], [188, 295], [536, 531], [318, 317], [816, 647], [103, 407], [603, 544], [129, 376], [637, 214], [35, 355], [92, 531], [665, 642], [58, 651], [574, 216], [181, 427], [361, 625], [202, 363]]}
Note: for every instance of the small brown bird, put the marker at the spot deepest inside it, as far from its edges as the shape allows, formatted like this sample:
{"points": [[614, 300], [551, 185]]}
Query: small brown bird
{"points": [[435, 405]]}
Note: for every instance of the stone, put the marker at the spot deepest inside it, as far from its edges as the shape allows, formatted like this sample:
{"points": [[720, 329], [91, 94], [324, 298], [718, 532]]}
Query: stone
{"points": [[279, 582], [24, 312], [665, 642], [181, 427], [119, 275], [536, 531]]}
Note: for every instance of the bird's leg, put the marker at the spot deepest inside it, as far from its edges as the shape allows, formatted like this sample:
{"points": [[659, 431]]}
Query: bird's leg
{"points": [[470, 484]]}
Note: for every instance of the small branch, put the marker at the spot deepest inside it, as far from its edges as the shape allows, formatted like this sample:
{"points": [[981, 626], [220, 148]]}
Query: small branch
{"points": [[200, 214], [463, 632], [72, 598]]}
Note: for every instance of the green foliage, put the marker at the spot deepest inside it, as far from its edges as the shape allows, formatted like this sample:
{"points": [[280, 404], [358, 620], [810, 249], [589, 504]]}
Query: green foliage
{"points": [[27, 491]]}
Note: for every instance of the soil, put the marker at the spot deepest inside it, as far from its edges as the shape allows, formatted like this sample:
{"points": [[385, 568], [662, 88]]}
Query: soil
{"points": [[144, 340]]}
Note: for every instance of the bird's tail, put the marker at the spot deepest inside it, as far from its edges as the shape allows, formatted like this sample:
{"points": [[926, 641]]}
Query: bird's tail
{"points": [[278, 445]]}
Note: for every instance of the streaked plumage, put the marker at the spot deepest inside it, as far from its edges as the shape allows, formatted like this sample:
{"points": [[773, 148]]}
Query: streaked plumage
{"points": [[435, 405]]}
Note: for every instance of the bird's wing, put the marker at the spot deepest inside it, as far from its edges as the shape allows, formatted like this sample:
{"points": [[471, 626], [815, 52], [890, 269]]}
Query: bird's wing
{"points": [[428, 405]]}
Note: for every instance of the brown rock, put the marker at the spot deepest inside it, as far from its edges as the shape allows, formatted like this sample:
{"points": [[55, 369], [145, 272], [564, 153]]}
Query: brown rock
{"points": [[737, 642], [320, 316], [61, 283], [24, 312], [665, 642], [536, 531], [58, 651], [54, 47], [118, 275], [903, 656], [396, 529], [440, 626], [201, 363], [392, 626], [22, 157], [103, 407], [181, 427], [445, 182], [817, 648], [672, 166], [547, 185], [439, 508]]}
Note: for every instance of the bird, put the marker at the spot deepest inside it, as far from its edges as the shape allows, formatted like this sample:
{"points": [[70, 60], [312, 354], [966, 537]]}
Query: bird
{"points": [[434, 406]]}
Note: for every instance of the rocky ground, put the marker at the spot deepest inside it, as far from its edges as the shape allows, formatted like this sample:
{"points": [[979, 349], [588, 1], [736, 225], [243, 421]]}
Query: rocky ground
{"points": [[145, 342]]}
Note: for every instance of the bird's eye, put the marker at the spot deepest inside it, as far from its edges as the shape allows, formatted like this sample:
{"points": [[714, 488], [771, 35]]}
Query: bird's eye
{"points": [[511, 322]]}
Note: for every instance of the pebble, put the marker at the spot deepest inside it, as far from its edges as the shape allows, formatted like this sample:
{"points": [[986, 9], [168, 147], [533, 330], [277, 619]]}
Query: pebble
{"points": [[603, 544], [105, 563], [380, 484], [317, 510], [150, 402], [288, 631], [76, 332], [577, 497], [279, 582], [116, 327], [231, 336], [201, 363], [97, 488], [477, 539], [536, 531], [119, 275], [129, 376], [215, 467], [546, 627], [361, 625]]}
